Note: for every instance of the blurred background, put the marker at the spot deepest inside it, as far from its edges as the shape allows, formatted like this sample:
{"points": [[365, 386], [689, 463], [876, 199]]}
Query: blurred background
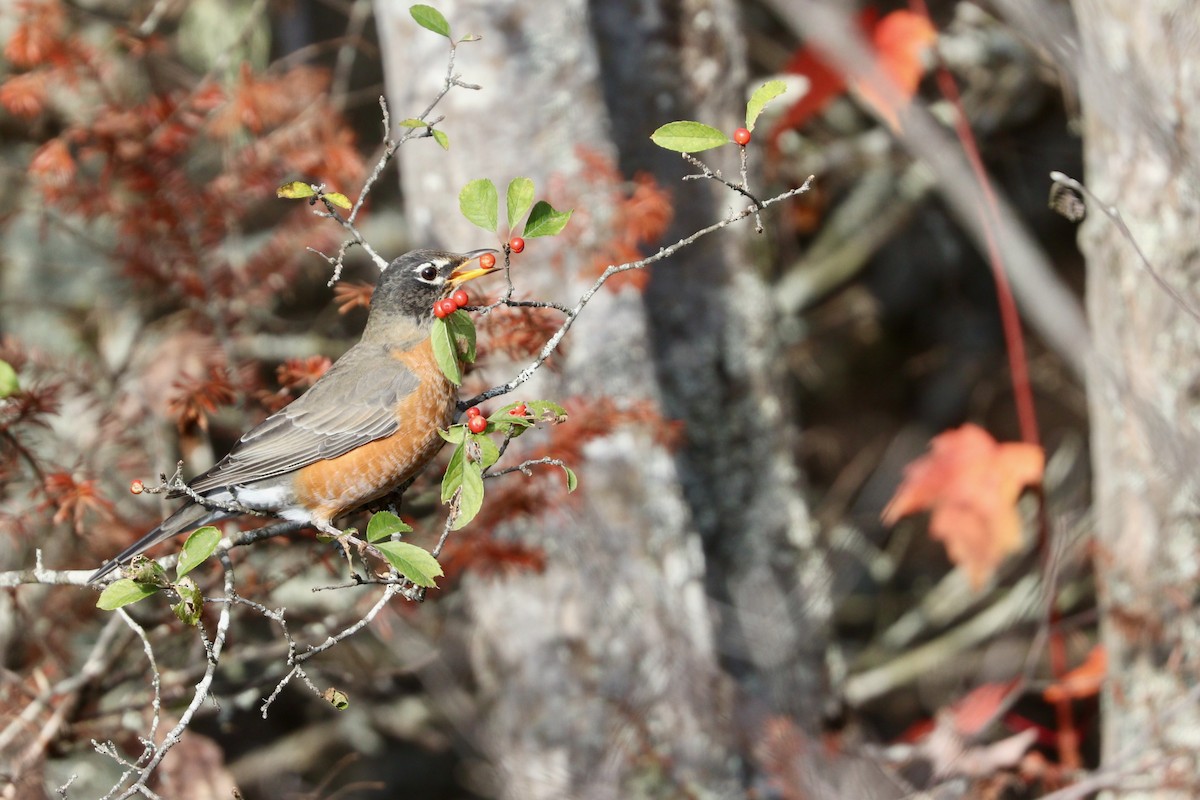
{"points": [[719, 610]]}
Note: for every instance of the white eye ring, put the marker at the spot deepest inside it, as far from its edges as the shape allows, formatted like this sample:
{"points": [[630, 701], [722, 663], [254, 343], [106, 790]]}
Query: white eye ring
{"points": [[427, 272]]}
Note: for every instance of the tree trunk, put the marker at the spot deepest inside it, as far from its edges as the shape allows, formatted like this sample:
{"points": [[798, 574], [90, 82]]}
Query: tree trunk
{"points": [[604, 675], [1140, 88]]}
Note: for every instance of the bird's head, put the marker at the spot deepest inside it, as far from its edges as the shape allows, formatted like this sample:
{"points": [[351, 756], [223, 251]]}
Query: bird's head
{"points": [[412, 283]]}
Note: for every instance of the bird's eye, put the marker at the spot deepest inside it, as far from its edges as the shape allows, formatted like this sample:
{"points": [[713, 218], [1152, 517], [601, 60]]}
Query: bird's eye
{"points": [[429, 272]]}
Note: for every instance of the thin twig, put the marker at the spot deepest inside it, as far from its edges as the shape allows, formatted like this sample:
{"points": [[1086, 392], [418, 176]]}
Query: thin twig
{"points": [[1113, 213], [555, 339]]}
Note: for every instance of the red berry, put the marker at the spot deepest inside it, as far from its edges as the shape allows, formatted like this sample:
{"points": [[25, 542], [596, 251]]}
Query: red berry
{"points": [[477, 424], [742, 136], [137, 487], [439, 310], [460, 298], [516, 244], [487, 260], [444, 308], [519, 411], [473, 411]]}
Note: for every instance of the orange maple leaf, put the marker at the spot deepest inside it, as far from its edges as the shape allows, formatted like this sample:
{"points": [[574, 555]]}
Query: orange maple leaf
{"points": [[970, 483], [1083, 681], [900, 41]]}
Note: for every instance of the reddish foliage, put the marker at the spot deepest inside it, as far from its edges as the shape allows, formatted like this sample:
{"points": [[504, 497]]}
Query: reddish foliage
{"points": [[971, 484], [37, 40], [783, 750], [24, 95], [642, 212], [483, 554], [349, 296], [301, 373], [1084, 681], [73, 499], [192, 400], [518, 332], [980, 707]]}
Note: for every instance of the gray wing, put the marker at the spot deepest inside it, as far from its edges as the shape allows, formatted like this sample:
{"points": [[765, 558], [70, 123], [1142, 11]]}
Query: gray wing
{"points": [[350, 405]]}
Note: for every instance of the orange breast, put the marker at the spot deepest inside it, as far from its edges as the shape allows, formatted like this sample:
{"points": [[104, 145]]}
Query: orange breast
{"points": [[336, 485]]}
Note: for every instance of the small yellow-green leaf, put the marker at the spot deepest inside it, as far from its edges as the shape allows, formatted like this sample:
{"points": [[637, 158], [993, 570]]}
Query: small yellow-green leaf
{"points": [[338, 199], [445, 351], [123, 592], [336, 698], [9, 385], [454, 469], [411, 123], [383, 524], [201, 544], [762, 95], [455, 434], [545, 221], [414, 563], [520, 198], [480, 203], [462, 327], [489, 452], [441, 138], [547, 411], [191, 602], [296, 190], [470, 495], [572, 481], [430, 19], [470, 37], [688, 137]]}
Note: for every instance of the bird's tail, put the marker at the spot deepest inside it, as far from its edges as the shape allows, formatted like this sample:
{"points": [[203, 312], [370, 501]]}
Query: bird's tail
{"points": [[190, 516]]}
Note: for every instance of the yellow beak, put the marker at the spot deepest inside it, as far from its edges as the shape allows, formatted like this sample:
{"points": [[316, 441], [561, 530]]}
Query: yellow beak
{"points": [[461, 274]]}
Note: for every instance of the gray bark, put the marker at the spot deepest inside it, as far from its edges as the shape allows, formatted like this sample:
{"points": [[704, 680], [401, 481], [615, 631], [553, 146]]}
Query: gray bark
{"points": [[606, 675], [1139, 85]]}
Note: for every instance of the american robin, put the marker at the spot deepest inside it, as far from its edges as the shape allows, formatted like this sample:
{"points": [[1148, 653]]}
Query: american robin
{"points": [[368, 425]]}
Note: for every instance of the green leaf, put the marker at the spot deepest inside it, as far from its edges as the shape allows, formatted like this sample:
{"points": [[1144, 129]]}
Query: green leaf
{"points": [[414, 563], [688, 137], [383, 525], [151, 573], [296, 190], [191, 602], [199, 546], [430, 19], [480, 203], [455, 434], [338, 199], [520, 198], [758, 101], [462, 327], [547, 411], [545, 221], [441, 138], [454, 470], [572, 481], [123, 592], [489, 451], [445, 351], [411, 123], [470, 494], [9, 385], [336, 698], [470, 37]]}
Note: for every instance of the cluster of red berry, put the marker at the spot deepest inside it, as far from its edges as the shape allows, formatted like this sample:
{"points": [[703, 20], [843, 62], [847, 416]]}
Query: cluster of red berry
{"points": [[476, 423], [448, 305], [475, 420]]}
